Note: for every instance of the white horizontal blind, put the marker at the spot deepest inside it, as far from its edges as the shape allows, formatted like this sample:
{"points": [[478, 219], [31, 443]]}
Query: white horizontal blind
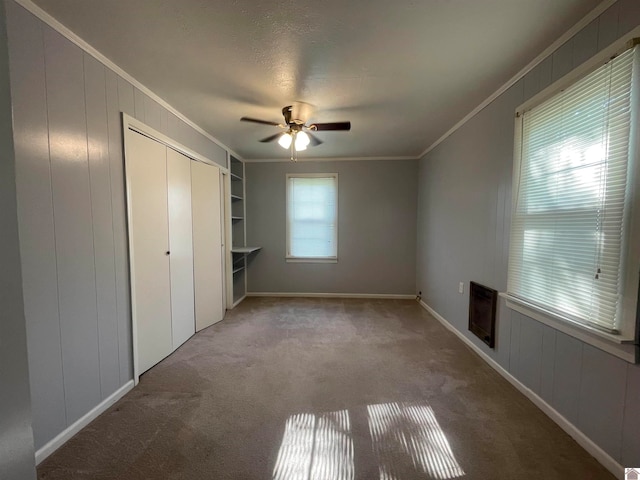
{"points": [[568, 226], [312, 216]]}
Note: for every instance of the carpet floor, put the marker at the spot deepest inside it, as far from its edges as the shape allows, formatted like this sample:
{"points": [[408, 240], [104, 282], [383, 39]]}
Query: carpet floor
{"points": [[323, 389]]}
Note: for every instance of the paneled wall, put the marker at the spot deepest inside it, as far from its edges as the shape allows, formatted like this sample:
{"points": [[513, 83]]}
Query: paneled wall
{"points": [[71, 210], [16, 438], [376, 229], [464, 210]]}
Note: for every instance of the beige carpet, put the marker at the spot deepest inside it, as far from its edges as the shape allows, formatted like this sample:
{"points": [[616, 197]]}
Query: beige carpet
{"points": [[292, 389]]}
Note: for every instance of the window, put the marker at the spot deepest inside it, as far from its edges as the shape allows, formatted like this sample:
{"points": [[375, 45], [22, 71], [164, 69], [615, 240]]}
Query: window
{"points": [[571, 254], [312, 216]]}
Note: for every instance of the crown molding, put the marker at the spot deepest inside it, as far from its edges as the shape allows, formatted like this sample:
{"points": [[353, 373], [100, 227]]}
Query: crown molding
{"points": [[77, 40], [326, 159], [71, 36], [586, 20]]}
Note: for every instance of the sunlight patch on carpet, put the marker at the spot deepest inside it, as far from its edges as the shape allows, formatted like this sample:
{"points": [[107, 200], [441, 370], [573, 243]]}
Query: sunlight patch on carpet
{"points": [[316, 447], [402, 434]]}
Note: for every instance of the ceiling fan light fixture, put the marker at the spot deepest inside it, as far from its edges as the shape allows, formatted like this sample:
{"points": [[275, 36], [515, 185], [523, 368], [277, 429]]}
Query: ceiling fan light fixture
{"points": [[302, 141], [285, 140], [293, 137]]}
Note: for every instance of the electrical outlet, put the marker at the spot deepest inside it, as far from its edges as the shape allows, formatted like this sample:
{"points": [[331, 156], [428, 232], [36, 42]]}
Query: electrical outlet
{"points": [[461, 287]]}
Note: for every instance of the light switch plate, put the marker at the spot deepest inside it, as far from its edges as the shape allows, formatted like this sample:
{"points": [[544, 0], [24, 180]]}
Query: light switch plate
{"points": [[461, 287]]}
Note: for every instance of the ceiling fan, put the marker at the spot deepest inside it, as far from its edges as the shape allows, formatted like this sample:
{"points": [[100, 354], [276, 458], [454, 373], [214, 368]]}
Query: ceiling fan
{"points": [[296, 135]]}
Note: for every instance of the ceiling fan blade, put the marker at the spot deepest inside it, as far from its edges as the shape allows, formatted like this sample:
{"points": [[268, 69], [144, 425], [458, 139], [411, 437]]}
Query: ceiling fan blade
{"points": [[331, 126], [271, 138], [315, 141], [256, 120]]}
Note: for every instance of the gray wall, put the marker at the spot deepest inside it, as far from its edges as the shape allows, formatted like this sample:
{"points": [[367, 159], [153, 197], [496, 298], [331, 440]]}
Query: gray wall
{"points": [[16, 437], [71, 212], [463, 234], [376, 229]]}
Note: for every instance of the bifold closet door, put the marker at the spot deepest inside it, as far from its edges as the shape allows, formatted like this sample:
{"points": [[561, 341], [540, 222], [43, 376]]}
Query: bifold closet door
{"points": [[181, 247], [207, 244], [146, 164]]}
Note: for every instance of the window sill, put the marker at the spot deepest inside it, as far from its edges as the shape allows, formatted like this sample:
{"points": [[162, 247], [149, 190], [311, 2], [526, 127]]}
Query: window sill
{"points": [[617, 345], [312, 259]]}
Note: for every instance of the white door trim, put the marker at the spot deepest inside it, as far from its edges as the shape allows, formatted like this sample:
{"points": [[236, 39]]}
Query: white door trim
{"points": [[130, 126], [130, 123]]}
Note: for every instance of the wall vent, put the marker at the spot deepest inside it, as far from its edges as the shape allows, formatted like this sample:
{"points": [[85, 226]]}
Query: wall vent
{"points": [[482, 312]]}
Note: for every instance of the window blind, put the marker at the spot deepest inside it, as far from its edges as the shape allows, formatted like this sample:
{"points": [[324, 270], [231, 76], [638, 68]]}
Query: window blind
{"points": [[569, 220], [311, 217]]}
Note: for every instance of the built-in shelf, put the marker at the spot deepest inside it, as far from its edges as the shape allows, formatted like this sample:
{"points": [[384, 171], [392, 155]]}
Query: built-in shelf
{"points": [[240, 255], [245, 250]]}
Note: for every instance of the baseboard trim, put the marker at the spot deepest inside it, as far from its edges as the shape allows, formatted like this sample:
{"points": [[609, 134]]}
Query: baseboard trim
{"points": [[70, 431], [388, 296], [585, 442]]}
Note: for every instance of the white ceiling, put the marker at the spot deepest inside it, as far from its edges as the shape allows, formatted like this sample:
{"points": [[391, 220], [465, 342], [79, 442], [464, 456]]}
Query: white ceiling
{"points": [[403, 72]]}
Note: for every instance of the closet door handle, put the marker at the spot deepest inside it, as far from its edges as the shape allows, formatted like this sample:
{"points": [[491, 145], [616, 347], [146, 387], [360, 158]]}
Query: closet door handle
{"points": [[167, 252]]}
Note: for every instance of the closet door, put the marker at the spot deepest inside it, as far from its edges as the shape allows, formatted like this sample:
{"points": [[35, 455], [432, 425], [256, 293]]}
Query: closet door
{"points": [[146, 166], [181, 246], [207, 244]]}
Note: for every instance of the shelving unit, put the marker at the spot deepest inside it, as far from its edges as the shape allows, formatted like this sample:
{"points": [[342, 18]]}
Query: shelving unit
{"points": [[239, 251], [245, 250]]}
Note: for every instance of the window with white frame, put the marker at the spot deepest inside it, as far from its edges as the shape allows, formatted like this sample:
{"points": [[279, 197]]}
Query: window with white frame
{"points": [[312, 217], [573, 252]]}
